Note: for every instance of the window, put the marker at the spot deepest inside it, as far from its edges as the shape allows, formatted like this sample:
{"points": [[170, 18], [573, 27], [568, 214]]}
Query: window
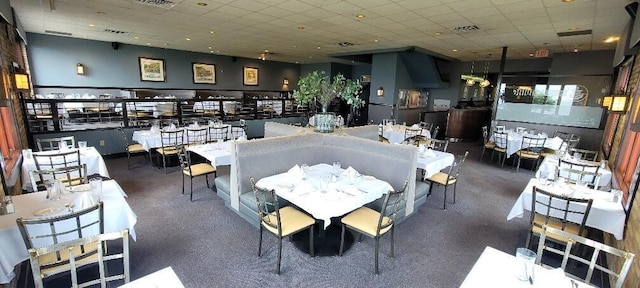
{"points": [[609, 133], [9, 140]]}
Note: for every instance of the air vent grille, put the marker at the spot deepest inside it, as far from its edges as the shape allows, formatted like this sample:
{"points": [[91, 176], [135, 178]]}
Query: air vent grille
{"points": [[574, 33], [467, 28], [117, 32], [58, 32], [166, 4], [345, 44]]}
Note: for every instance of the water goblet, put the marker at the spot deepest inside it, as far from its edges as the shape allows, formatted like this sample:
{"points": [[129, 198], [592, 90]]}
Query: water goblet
{"points": [[336, 167], [526, 262], [305, 170], [96, 188]]}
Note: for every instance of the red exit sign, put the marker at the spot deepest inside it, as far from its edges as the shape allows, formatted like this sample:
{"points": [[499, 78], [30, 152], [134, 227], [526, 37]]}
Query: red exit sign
{"points": [[541, 53]]}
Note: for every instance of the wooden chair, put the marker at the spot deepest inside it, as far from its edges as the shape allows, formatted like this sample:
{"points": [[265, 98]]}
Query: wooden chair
{"points": [[132, 148], [50, 144], [612, 254], [501, 141], [193, 170], [487, 143], [68, 176], [591, 179], [411, 134], [426, 126], [280, 221], [238, 131], [375, 224], [449, 178], [170, 142], [70, 256], [440, 145], [532, 150], [573, 141], [434, 133], [561, 212], [196, 135], [218, 133]]}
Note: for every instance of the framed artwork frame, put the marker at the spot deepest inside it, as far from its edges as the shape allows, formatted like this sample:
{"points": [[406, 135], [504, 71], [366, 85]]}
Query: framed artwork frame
{"points": [[250, 76], [403, 96], [203, 73], [414, 99], [152, 69]]}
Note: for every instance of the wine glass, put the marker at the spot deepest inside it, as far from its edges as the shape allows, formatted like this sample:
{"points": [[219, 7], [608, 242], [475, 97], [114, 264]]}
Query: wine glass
{"points": [[336, 167]]}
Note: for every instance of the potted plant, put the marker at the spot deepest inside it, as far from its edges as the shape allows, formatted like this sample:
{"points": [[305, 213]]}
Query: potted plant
{"points": [[316, 87]]}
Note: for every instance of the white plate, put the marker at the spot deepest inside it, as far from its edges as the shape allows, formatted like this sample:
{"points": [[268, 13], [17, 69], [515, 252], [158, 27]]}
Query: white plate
{"points": [[48, 211]]}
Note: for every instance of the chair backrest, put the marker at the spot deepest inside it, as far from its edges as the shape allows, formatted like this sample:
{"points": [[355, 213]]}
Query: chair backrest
{"points": [[218, 133], [435, 132], [388, 121], [49, 160], [197, 135], [440, 145], [565, 136], [69, 176], [552, 207], [49, 144], [238, 131], [500, 128], [578, 165], [592, 179], [380, 130], [573, 141], [485, 134], [41, 232], [533, 144], [184, 158], [171, 138], [426, 126], [521, 130], [591, 155], [500, 138], [394, 201], [268, 207], [456, 167], [80, 253], [411, 133], [591, 261]]}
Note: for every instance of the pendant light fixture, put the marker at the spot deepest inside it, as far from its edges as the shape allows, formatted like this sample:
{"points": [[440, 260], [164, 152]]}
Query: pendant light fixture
{"points": [[485, 83], [470, 82]]}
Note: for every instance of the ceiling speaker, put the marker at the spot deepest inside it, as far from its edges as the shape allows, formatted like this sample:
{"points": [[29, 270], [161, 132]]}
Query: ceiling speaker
{"points": [[632, 9], [115, 45]]}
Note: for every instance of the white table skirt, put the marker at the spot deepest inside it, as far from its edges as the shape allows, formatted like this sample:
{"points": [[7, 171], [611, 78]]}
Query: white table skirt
{"points": [[395, 133], [117, 216], [218, 153], [323, 206], [433, 164], [89, 156], [152, 139], [161, 278], [550, 163], [498, 269], [514, 143], [604, 215]]}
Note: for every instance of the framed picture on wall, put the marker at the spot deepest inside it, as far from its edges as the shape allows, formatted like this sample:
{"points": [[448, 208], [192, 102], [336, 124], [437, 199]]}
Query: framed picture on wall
{"points": [[152, 69], [250, 76], [414, 98], [204, 73], [403, 96]]}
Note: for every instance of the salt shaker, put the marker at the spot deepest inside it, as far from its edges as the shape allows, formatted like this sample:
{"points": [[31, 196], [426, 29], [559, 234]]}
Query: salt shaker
{"points": [[603, 164], [8, 205]]}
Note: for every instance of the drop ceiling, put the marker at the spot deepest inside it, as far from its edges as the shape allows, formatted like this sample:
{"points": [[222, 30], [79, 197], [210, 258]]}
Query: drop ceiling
{"points": [[307, 31]]}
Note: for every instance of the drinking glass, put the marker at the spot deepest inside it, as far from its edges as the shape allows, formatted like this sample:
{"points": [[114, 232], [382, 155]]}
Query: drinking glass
{"points": [[96, 188], [50, 184], [305, 170], [82, 144], [325, 179], [525, 259], [336, 168], [28, 153]]}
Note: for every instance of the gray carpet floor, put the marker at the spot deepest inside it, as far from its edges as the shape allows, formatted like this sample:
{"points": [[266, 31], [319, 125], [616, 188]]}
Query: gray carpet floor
{"points": [[208, 245]]}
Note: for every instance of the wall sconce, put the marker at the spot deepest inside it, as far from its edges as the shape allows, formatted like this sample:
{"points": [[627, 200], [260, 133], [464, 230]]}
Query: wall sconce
{"points": [[285, 81], [380, 92], [619, 103], [606, 101], [22, 81], [80, 69]]}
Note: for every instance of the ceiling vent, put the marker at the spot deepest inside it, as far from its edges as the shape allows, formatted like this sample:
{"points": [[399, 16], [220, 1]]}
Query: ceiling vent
{"points": [[166, 4], [574, 33], [345, 44], [58, 32], [467, 28], [116, 32]]}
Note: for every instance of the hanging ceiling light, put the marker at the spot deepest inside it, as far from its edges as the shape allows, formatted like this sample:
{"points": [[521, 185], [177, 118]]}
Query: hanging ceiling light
{"points": [[471, 79], [485, 83]]}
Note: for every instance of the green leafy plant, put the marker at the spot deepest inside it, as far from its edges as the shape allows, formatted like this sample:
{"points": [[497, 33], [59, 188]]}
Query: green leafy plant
{"points": [[316, 85]]}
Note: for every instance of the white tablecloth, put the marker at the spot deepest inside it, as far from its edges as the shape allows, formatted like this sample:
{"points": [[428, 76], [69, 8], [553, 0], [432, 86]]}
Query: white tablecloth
{"points": [[218, 153], [550, 163], [151, 139], [498, 269], [395, 133], [306, 193], [165, 278], [433, 164], [514, 143], [89, 156], [604, 215], [117, 216]]}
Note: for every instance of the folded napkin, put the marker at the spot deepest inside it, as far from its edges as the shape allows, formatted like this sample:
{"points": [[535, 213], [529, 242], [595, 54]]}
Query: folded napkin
{"points": [[428, 153], [242, 138], [83, 201], [415, 126], [154, 128], [296, 172], [350, 172]]}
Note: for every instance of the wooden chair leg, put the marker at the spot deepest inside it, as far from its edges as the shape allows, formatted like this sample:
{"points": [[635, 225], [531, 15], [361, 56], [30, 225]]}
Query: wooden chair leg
{"points": [[376, 256], [279, 254], [444, 205], [260, 242], [392, 244], [191, 190], [311, 249], [341, 241], [182, 183]]}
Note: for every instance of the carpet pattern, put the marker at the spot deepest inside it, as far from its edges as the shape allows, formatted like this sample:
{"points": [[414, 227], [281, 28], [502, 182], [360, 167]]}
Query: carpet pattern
{"points": [[208, 245]]}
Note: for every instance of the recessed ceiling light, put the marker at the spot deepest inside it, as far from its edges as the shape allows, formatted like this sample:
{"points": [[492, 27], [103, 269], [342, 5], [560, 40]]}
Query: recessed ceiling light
{"points": [[209, 47], [217, 51], [376, 40], [318, 47], [212, 32], [148, 43], [360, 16], [202, 4], [101, 12], [266, 50], [455, 50], [567, 1], [300, 27], [210, 51], [546, 43], [294, 46], [136, 37], [573, 28], [530, 54], [310, 57], [92, 25], [84, 36], [438, 33], [297, 62], [188, 39], [611, 39]]}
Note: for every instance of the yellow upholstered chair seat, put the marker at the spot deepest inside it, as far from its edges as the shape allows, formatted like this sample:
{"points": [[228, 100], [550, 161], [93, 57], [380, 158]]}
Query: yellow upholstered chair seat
{"points": [[167, 150], [135, 148], [291, 219], [366, 220], [489, 145], [58, 265], [199, 169], [527, 154], [441, 178], [539, 221], [501, 150]]}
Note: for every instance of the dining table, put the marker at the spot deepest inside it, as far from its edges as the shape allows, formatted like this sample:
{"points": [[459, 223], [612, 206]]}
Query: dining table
{"points": [[514, 141], [495, 268], [549, 165], [218, 153], [396, 133], [605, 214], [163, 278], [89, 156], [152, 138], [118, 216], [432, 161]]}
